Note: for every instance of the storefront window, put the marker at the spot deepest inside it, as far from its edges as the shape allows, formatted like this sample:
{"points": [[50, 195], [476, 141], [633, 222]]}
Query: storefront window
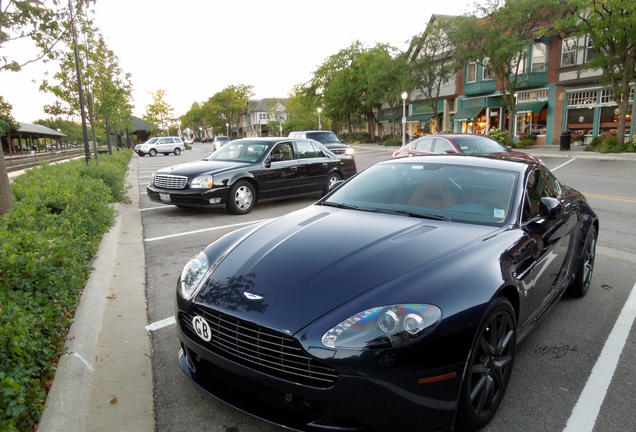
{"points": [[494, 117], [581, 119], [609, 120], [531, 123]]}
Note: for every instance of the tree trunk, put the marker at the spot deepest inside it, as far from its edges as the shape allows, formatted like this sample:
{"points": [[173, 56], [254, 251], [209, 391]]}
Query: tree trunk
{"points": [[6, 199]]}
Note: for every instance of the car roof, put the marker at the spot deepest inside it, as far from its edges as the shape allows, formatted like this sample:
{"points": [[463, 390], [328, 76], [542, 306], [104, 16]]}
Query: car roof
{"points": [[485, 161]]}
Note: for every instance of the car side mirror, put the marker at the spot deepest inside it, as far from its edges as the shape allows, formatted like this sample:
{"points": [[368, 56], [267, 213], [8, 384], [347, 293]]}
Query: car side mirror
{"points": [[336, 185], [550, 207]]}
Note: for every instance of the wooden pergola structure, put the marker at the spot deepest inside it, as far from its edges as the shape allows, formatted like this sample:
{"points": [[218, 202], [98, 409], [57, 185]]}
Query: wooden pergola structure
{"points": [[31, 137]]}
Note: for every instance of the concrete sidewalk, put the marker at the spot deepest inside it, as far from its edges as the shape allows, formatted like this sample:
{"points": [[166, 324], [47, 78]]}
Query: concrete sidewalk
{"points": [[104, 382]]}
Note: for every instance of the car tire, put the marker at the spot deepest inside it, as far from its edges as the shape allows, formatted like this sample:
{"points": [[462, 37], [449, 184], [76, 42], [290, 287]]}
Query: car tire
{"points": [[152, 152], [331, 179], [581, 283], [177, 151], [489, 366], [242, 198]]}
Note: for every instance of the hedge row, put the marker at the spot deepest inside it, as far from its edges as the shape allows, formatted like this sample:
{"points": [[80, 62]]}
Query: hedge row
{"points": [[46, 245]]}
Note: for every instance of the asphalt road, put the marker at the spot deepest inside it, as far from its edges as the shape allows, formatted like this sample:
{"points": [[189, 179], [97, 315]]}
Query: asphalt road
{"points": [[553, 365]]}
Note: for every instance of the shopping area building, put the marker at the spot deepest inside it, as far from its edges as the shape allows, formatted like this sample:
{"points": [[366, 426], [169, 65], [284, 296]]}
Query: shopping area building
{"points": [[556, 93]]}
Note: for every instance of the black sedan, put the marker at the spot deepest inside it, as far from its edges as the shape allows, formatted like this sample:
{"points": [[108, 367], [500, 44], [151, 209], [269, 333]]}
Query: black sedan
{"points": [[394, 303], [245, 171]]}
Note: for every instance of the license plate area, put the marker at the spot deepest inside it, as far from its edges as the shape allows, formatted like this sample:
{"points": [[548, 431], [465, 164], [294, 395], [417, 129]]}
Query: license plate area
{"points": [[164, 197]]}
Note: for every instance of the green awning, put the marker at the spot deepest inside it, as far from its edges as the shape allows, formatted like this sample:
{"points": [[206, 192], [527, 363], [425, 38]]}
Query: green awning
{"points": [[531, 107], [467, 114], [417, 118]]}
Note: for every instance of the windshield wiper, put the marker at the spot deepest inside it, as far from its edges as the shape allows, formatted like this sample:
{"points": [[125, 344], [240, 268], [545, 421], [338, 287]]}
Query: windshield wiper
{"points": [[423, 215], [342, 205]]}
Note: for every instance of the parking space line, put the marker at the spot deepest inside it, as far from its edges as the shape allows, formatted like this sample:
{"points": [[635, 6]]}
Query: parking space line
{"points": [[610, 197], [204, 230], [563, 164], [160, 324], [587, 408]]}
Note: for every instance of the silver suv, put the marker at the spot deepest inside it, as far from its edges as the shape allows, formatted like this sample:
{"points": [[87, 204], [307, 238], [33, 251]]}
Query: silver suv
{"points": [[220, 141], [165, 145]]}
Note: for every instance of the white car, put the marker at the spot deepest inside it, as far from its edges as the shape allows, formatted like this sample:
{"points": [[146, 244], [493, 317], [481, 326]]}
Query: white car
{"points": [[165, 145], [220, 141]]}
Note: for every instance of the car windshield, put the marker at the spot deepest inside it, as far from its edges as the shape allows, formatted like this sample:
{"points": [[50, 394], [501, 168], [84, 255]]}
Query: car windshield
{"points": [[240, 151], [152, 140], [431, 190], [224, 139], [324, 137], [479, 145]]}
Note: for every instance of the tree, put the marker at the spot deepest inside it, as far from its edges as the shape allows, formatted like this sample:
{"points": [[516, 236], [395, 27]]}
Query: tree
{"points": [[431, 59], [23, 20], [194, 118], [7, 124], [497, 35], [339, 82], [227, 105], [611, 28], [302, 109], [159, 113]]}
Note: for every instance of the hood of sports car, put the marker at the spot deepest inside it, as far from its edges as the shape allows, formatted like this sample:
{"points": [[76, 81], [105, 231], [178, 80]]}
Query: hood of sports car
{"points": [[297, 268], [200, 167]]}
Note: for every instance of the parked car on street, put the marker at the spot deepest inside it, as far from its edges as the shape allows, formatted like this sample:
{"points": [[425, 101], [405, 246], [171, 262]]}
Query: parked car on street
{"points": [[246, 171], [470, 144], [219, 141], [326, 138], [165, 145], [395, 303]]}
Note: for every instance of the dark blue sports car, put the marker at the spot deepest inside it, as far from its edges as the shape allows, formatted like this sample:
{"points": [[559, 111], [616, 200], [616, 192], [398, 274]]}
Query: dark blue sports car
{"points": [[393, 303]]}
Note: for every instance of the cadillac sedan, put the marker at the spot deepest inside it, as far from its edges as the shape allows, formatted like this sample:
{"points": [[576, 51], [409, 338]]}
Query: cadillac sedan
{"points": [[245, 171], [394, 303]]}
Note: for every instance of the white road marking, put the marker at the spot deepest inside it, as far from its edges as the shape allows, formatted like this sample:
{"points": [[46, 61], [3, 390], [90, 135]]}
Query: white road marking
{"points": [[205, 230], [563, 164], [160, 324], [585, 412]]}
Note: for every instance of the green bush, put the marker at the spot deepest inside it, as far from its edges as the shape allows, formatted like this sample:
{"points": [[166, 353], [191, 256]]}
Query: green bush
{"points": [[397, 142], [524, 143], [47, 242], [356, 138], [499, 135]]}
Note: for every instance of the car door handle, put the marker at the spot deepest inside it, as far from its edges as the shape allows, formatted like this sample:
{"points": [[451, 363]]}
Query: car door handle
{"points": [[294, 168], [325, 165]]}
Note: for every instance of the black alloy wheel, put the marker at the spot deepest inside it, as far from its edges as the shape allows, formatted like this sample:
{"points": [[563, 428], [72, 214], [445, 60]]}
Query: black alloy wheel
{"points": [[152, 152], [489, 366], [581, 283]]}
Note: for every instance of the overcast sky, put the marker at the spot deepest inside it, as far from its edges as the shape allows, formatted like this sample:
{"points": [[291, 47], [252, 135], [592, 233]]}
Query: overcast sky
{"points": [[195, 48]]}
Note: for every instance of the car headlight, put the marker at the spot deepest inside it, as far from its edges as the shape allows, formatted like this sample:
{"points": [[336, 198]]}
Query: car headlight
{"points": [[349, 151], [152, 182], [384, 326], [193, 274], [202, 182]]}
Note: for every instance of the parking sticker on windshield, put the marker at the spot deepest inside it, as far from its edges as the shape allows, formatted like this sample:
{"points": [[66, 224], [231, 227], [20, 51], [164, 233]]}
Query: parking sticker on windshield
{"points": [[500, 213]]}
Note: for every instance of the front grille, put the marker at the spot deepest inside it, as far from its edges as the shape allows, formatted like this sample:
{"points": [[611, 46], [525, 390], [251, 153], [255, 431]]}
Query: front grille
{"points": [[170, 181], [258, 348]]}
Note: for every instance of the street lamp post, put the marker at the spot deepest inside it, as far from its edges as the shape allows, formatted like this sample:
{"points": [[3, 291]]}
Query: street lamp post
{"points": [[404, 96], [319, 120], [227, 130], [179, 125]]}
